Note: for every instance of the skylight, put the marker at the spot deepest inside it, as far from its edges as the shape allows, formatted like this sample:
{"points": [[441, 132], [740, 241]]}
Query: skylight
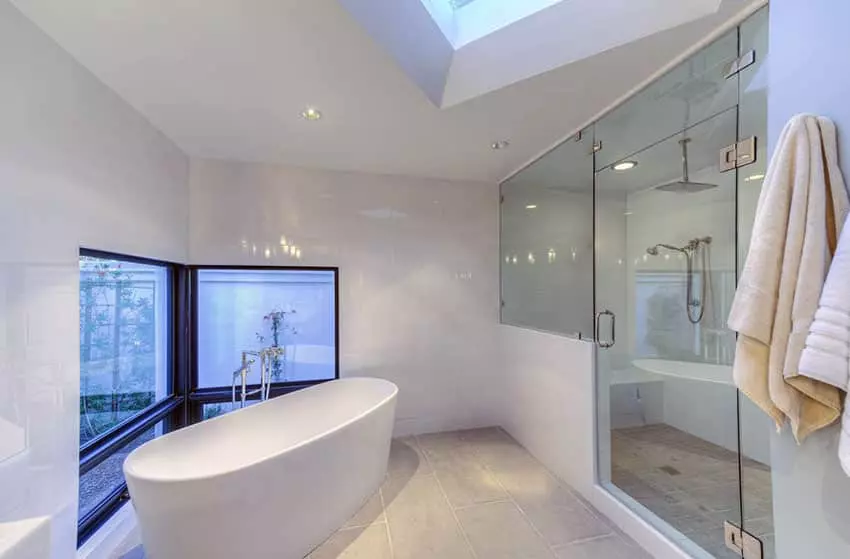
{"points": [[458, 4], [464, 21]]}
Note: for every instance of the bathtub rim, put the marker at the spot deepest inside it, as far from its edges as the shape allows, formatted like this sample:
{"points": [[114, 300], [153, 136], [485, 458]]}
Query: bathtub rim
{"points": [[129, 471]]}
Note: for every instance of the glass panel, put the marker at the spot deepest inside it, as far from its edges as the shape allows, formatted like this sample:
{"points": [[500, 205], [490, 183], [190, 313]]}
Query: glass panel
{"points": [[667, 406], [247, 310], [756, 426], [106, 477], [221, 408], [692, 92], [124, 341], [547, 242]]}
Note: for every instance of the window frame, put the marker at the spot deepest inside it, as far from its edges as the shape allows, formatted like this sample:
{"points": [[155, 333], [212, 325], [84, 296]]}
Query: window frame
{"points": [[184, 405], [170, 410], [197, 397]]}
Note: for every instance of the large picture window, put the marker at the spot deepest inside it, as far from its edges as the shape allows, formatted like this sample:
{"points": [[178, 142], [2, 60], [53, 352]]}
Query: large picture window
{"points": [[127, 383], [124, 341], [249, 309], [159, 344]]}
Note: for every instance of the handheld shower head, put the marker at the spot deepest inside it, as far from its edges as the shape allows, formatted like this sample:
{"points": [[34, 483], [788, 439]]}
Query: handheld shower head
{"points": [[652, 251]]}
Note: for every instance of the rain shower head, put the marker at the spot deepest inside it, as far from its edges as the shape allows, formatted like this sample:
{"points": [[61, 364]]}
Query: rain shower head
{"points": [[653, 251], [685, 186]]}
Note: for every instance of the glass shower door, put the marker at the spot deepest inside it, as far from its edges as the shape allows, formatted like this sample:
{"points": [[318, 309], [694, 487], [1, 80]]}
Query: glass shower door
{"points": [[665, 254]]}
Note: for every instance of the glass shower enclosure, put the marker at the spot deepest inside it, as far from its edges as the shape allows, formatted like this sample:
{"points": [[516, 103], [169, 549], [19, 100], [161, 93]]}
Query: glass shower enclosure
{"points": [[650, 209]]}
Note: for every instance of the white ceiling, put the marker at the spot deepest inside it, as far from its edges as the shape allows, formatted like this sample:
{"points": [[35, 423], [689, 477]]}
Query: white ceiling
{"points": [[229, 78]]}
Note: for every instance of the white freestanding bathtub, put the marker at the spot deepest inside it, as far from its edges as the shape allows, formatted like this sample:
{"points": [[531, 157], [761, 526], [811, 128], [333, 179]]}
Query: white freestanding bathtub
{"points": [[271, 480]]}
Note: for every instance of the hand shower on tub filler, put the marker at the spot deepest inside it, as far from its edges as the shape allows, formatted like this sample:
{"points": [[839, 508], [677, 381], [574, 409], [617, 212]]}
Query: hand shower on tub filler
{"points": [[266, 356]]}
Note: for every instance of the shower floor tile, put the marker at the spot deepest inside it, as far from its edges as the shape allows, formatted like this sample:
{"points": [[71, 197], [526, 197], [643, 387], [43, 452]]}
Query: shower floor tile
{"points": [[692, 484]]}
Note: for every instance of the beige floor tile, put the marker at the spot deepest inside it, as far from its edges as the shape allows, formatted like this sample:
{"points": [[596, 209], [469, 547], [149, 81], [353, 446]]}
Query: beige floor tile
{"points": [[422, 525], [370, 513], [485, 435], [469, 483], [406, 460], [499, 531], [564, 525], [530, 484], [442, 447], [608, 547], [356, 543]]}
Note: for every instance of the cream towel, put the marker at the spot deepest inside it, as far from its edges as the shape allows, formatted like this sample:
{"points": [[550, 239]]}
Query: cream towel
{"points": [[826, 357], [802, 200]]}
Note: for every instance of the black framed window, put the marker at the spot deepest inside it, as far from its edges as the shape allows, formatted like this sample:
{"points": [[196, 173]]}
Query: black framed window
{"points": [[240, 309], [159, 343], [129, 386]]}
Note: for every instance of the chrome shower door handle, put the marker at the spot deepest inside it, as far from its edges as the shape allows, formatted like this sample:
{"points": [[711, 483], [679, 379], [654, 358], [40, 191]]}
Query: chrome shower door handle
{"points": [[599, 342]]}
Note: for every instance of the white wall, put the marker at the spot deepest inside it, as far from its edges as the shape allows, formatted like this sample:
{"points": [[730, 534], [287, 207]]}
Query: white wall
{"points": [[811, 493], [548, 401], [77, 167], [418, 272]]}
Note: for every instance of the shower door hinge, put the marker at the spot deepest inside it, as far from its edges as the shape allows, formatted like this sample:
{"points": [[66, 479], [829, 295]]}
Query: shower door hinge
{"points": [[738, 155], [741, 541], [746, 60], [577, 137], [597, 146]]}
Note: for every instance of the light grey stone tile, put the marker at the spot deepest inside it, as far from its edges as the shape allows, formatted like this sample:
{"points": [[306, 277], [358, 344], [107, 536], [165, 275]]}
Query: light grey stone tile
{"points": [[561, 525], [608, 547], [467, 482], [370, 513], [370, 542], [499, 531], [422, 524], [406, 459]]}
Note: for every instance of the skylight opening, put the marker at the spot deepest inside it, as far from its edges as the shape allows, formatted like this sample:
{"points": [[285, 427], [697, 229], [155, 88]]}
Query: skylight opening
{"points": [[465, 21], [458, 4]]}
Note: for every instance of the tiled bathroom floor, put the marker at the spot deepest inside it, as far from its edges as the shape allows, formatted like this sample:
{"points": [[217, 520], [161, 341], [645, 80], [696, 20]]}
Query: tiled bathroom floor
{"points": [[692, 485], [473, 495]]}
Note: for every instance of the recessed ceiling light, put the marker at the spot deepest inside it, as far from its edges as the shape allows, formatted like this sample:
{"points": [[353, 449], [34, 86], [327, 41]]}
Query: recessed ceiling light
{"points": [[531, 206], [624, 165], [501, 144], [311, 113]]}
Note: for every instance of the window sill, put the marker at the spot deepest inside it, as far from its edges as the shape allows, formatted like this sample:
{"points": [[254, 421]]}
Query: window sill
{"points": [[116, 537]]}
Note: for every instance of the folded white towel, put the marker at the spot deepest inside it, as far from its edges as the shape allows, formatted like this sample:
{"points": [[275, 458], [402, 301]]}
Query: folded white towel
{"points": [[826, 356], [803, 203]]}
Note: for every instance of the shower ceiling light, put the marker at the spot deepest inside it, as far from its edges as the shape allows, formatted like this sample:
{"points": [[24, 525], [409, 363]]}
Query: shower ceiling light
{"points": [[531, 207], [311, 113], [624, 165]]}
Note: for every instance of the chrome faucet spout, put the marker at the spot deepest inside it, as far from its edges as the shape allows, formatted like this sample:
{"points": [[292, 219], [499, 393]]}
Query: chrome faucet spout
{"points": [[265, 356]]}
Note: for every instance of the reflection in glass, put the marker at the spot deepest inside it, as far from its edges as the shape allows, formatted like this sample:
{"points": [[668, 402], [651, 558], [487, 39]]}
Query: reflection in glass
{"points": [[694, 91], [546, 212], [248, 310], [99, 482], [222, 408], [667, 404], [124, 341]]}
